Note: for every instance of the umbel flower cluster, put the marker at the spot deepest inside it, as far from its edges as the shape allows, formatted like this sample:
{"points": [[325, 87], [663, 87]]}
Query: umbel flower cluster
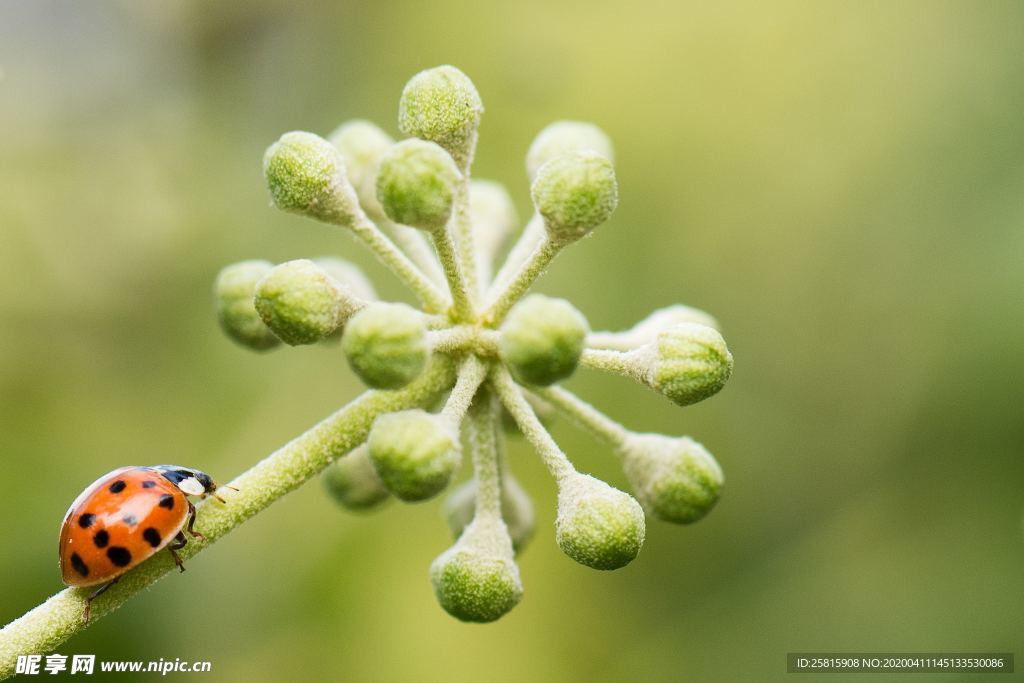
{"points": [[491, 350]]}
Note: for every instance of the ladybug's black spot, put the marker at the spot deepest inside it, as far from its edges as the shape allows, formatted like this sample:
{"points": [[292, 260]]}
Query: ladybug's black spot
{"points": [[85, 521], [130, 520], [152, 536], [119, 556], [167, 501], [118, 486], [148, 484], [79, 566], [101, 538], [175, 476]]}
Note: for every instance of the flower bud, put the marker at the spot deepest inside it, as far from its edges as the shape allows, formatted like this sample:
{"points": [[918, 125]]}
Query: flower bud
{"points": [[414, 452], [306, 175], [477, 578], [301, 303], [443, 106], [575, 193], [562, 137], [516, 510], [598, 525], [348, 275], [674, 478], [362, 144], [416, 184], [542, 339], [386, 344], [688, 363], [353, 481], [233, 292]]}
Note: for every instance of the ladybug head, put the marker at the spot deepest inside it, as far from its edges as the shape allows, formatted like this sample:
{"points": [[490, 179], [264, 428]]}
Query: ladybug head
{"points": [[192, 482]]}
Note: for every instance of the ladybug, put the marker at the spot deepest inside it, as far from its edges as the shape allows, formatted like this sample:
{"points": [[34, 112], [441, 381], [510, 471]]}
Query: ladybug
{"points": [[125, 517]]}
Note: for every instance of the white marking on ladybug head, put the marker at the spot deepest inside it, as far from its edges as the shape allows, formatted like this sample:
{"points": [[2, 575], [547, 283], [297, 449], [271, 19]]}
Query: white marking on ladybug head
{"points": [[190, 486]]}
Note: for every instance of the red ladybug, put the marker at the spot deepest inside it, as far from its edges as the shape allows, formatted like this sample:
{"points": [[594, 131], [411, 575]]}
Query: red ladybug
{"points": [[125, 517]]}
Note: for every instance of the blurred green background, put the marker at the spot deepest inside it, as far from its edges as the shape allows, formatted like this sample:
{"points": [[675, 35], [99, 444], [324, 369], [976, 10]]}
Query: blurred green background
{"points": [[839, 183]]}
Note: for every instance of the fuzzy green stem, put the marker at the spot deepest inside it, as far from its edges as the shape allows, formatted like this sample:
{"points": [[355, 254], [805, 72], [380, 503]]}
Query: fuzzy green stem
{"points": [[617, 362], [531, 236], [391, 256], [416, 245], [483, 446], [453, 271], [464, 239], [517, 405], [528, 272], [585, 415], [45, 627], [471, 375], [463, 338]]}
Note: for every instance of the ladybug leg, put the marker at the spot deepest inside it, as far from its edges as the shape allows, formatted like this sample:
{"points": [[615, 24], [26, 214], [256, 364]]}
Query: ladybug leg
{"points": [[95, 594], [192, 520], [177, 544]]}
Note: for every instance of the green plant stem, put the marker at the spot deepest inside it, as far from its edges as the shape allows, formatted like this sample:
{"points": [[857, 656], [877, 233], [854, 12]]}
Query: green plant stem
{"points": [[416, 245], [464, 238], [471, 375], [453, 271], [585, 415], [45, 627], [465, 338], [616, 362], [531, 236], [517, 405], [528, 272], [483, 447], [391, 256]]}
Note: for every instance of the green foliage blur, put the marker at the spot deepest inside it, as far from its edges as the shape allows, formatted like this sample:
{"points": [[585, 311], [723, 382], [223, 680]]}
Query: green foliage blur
{"points": [[841, 184]]}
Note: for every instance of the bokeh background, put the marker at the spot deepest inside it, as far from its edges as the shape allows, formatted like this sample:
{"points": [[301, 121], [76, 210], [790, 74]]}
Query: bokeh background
{"points": [[841, 184]]}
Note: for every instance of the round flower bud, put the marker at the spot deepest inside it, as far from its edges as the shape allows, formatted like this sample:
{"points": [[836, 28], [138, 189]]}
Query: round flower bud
{"points": [[301, 303], [416, 184], [575, 193], [674, 478], [354, 483], [689, 363], [362, 144], [598, 525], [386, 345], [414, 452], [306, 175], [562, 137], [233, 292], [443, 106], [477, 578], [516, 510], [348, 275], [542, 339]]}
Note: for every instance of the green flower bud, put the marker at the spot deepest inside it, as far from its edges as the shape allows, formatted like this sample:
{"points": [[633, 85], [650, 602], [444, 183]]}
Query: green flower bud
{"points": [[688, 363], [516, 510], [542, 339], [675, 479], [362, 144], [353, 481], [301, 303], [306, 175], [443, 106], [650, 327], [598, 525], [349, 276], [493, 215], [386, 345], [416, 184], [233, 292], [414, 452], [575, 193], [477, 578], [562, 137]]}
